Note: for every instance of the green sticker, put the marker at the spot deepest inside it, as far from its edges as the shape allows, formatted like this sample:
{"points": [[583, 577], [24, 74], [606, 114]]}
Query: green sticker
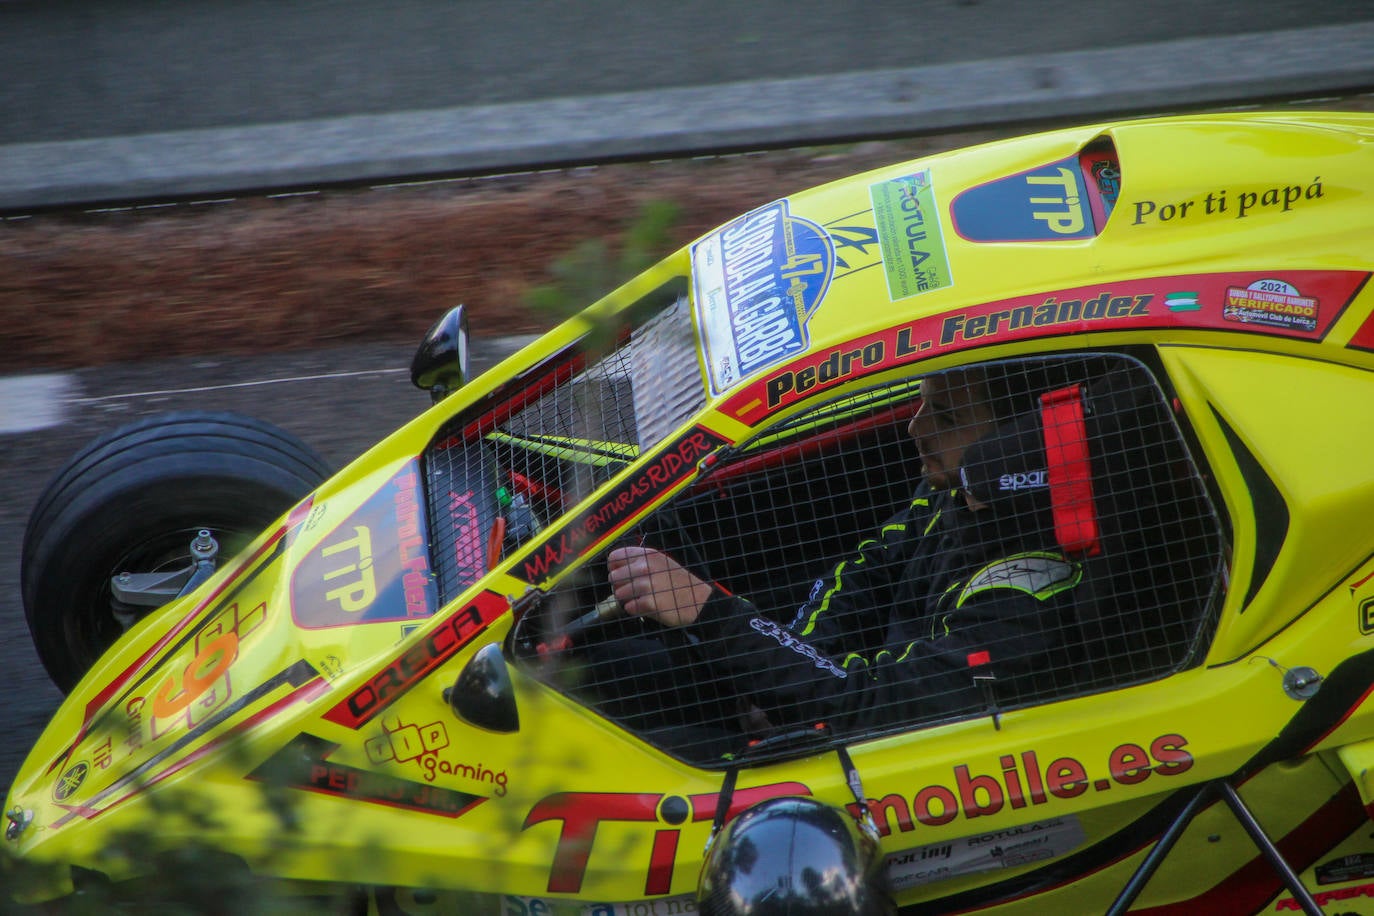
{"points": [[914, 256]]}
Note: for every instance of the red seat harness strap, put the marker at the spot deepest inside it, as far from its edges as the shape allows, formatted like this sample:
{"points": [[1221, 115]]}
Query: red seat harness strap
{"points": [[1070, 471]]}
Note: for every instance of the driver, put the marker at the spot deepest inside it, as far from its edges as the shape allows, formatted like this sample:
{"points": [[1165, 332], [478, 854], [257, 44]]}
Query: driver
{"points": [[967, 580]]}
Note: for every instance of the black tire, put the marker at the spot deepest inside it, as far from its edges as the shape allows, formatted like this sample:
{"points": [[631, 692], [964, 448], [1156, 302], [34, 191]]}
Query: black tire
{"points": [[132, 501]]}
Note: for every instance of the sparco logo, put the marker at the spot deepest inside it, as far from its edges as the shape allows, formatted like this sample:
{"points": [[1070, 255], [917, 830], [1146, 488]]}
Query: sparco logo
{"points": [[1027, 481], [787, 640]]}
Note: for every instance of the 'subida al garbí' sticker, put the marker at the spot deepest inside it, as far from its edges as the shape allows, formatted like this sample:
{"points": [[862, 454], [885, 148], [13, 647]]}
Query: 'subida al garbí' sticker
{"points": [[757, 281]]}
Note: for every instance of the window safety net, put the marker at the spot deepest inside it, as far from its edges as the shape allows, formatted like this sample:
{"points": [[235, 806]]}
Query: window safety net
{"points": [[494, 480], [1063, 545]]}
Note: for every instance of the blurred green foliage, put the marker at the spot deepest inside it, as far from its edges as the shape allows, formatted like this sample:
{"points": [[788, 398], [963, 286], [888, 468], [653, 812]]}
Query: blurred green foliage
{"points": [[176, 876], [592, 269]]}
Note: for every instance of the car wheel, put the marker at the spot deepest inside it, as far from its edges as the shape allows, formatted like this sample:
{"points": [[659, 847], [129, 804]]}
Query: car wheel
{"points": [[133, 501]]}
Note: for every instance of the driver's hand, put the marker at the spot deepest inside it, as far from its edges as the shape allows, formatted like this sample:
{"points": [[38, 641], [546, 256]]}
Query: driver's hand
{"points": [[654, 585]]}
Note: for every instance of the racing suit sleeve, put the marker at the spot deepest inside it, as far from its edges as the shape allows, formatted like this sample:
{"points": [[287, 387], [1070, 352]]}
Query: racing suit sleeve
{"points": [[848, 608], [1003, 619]]}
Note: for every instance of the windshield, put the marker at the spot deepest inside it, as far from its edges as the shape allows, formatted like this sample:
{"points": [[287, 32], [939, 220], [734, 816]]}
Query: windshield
{"points": [[633, 397], [494, 475]]}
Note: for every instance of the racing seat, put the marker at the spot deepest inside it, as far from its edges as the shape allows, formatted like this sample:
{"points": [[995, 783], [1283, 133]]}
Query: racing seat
{"points": [[1129, 505], [1091, 467]]}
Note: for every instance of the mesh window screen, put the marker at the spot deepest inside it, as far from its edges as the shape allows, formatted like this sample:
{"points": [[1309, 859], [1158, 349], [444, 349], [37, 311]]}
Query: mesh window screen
{"points": [[547, 446], [1066, 546]]}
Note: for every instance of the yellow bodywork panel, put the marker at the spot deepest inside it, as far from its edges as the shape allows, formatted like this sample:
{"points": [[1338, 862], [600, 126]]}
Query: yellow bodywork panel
{"points": [[303, 709]]}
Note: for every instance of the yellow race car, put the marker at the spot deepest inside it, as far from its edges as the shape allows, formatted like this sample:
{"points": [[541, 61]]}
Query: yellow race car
{"points": [[1113, 652]]}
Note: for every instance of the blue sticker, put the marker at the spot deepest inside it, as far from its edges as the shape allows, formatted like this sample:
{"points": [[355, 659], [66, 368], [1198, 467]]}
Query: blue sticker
{"points": [[1045, 204], [372, 568], [757, 281]]}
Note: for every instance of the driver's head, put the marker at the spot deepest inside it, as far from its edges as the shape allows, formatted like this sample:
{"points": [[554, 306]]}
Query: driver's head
{"points": [[957, 409]]}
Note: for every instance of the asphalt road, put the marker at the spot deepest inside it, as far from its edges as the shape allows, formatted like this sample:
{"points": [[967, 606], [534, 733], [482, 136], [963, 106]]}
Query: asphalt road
{"points": [[339, 401], [85, 69], [144, 100]]}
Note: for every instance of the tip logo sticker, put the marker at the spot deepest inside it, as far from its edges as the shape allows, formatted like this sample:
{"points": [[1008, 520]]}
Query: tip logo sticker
{"points": [[757, 282], [914, 256], [374, 567], [1044, 204]]}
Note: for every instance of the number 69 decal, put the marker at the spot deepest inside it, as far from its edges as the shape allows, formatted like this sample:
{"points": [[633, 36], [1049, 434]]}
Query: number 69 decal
{"points": [[176, 693]]}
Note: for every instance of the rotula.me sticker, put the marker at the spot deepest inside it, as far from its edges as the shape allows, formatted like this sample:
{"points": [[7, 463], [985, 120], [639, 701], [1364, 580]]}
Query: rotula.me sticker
{"points": [[914, 257]]}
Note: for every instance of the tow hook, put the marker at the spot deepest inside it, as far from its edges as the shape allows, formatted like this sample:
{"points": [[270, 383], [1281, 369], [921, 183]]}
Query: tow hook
{"points": [[19, 820]]}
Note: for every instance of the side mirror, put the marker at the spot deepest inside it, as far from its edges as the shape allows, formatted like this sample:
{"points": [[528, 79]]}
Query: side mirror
{"points": [[483, 695], [440, 365]]}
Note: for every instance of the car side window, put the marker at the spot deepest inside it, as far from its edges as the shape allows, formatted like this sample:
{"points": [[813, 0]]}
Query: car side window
{"points": [[1072, 549]]}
